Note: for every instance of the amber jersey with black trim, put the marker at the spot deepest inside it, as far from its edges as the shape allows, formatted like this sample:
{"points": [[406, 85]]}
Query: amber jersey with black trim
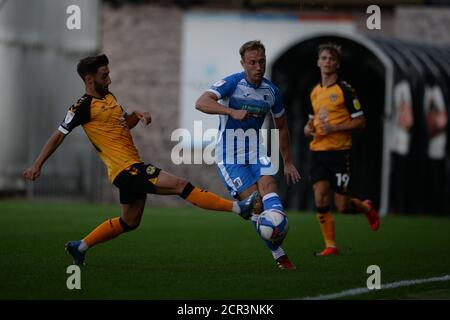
{"points": [[102, 120], [334, 104]]}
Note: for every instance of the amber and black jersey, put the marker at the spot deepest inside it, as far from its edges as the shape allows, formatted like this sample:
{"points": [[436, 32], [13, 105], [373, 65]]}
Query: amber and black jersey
{"points": [[334, 104], [103, 121]]}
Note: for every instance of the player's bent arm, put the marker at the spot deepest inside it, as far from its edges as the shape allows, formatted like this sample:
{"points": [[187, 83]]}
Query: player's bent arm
{"points": [[50, 146], [355, 124], [133, 118], [207, 103]]}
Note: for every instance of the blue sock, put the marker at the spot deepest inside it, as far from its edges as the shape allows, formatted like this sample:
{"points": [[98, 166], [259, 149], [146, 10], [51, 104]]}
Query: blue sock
{"points": [[272, 201]]}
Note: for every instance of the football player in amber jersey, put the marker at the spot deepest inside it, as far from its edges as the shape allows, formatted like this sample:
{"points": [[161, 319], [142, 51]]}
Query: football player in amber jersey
{"points": [[334, 113], [108, 128]]}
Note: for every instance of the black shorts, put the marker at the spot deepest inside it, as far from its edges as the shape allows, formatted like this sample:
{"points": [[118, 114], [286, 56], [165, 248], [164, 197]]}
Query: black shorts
{"points": [[332, 166], [136, 181]]}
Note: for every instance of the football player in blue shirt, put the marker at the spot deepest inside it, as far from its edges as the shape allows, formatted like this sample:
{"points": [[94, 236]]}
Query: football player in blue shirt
{"points": [[243, 166]]}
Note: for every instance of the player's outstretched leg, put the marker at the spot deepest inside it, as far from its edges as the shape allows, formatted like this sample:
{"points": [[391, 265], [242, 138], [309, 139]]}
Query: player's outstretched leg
{"points": [[272, 201], [211, 201]]}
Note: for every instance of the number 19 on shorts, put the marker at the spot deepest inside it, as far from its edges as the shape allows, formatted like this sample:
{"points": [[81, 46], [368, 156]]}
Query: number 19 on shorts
{"points": [[342, 179]]}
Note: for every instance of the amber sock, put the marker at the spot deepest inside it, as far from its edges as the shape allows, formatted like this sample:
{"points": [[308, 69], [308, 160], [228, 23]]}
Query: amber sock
{"points": [[207, 200], [106, 231], [327, 227]]}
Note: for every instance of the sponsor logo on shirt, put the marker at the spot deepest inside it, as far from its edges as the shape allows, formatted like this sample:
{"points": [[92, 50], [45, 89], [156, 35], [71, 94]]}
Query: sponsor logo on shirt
{"points": [[356, 104], [256, 111], [333, 97], [150, 170]]}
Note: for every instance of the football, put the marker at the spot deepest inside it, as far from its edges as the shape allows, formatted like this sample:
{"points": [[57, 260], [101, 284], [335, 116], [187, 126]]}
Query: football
{"points": [[272, 225]]}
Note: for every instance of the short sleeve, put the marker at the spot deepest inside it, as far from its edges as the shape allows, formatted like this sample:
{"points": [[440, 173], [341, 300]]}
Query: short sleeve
{"points": [[278, 106], [78, 114], [351, 100], [224, 87]]}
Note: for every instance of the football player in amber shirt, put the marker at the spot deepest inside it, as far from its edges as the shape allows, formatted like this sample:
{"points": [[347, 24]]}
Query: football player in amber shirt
{"points": [[334, 113], [108, 128]]}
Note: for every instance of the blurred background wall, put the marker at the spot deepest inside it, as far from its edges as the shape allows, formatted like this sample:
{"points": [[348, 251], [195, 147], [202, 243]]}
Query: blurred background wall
{"points": [[37, 86]]}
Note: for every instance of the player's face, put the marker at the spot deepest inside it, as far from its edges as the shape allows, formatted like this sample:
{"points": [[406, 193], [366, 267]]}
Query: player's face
{"points": [[327, 63], [102, 80], [254, 64]]}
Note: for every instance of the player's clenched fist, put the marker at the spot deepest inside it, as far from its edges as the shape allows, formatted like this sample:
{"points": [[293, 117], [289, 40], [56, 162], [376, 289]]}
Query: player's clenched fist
{"points": [[32, 173], [145, 117]]}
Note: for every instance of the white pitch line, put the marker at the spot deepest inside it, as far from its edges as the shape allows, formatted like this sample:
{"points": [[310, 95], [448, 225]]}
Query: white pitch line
{"points": [[392, 285]]}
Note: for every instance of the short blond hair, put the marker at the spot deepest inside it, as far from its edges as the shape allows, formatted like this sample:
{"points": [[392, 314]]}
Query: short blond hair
{"points": [[334, 48]]}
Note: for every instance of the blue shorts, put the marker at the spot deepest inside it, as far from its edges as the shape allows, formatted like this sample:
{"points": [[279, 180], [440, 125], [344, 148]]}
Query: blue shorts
{"points": [[239, 177]]}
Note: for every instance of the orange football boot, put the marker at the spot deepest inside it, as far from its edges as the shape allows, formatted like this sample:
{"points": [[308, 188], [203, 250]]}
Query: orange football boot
{"points": [[328, 251]]}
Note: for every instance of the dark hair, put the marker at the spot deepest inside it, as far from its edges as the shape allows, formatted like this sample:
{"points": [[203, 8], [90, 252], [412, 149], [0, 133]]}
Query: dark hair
{"points": [[90, 65], [332, 47], [251, 45]]}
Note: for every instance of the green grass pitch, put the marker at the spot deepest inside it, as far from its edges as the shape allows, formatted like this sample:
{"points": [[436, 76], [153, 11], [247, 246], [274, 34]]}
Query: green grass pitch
{"points": [[189, 253]]}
